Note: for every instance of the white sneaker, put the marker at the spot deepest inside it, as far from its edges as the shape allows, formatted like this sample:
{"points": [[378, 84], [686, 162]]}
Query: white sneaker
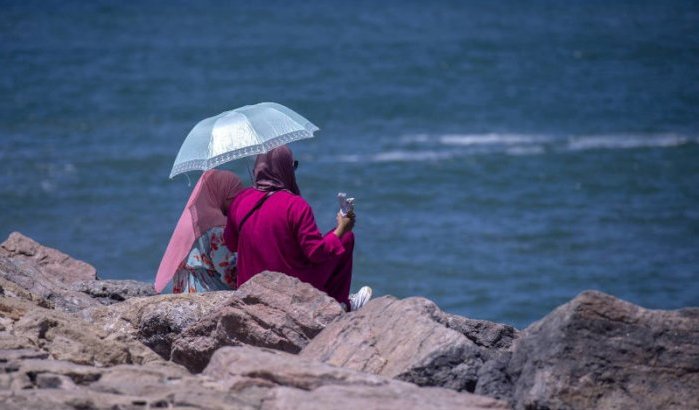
{"points": [[359, 299]]}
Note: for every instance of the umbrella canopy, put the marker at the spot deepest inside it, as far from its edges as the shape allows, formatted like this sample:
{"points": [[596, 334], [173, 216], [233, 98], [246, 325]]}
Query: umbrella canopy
{"points": [[249, 130]]}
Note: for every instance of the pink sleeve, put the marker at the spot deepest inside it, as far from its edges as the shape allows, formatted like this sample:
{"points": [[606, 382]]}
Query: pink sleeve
{"points": [[315, 246], [230, 232]]}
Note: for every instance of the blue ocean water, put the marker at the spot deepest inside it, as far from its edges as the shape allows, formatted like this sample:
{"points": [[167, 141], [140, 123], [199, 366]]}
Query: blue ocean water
{"points": [[505, 156]]}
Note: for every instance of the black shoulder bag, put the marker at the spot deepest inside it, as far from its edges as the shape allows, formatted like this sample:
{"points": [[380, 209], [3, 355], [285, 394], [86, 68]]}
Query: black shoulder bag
{"points": [[254, 208]]}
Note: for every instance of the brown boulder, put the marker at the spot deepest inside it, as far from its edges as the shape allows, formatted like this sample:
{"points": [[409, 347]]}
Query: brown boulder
{"points": [[64, 283], [238, 378], [65, 337], [601, 352], [296, 383], [392, 397], [156, 320], [56, 384], [411, 340], [29, 276], [271, 310], [51, 262], [10, 289]]}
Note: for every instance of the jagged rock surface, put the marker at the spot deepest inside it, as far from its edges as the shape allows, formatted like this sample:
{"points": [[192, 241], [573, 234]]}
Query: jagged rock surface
{"points": [[65, 337], [108, 292], [61, 347], [65, 283], [157, 320], [238, 378], [28, 275], [51, 262], [270, 310], [412, 340], [300, 383], [601, 352]]}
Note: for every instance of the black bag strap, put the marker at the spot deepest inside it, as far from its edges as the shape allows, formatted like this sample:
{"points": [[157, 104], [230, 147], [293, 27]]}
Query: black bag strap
{"points": [[254, 208]]}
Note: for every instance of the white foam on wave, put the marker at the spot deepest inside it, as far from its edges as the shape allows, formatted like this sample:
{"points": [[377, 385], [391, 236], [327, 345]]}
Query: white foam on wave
{"points": [[491, 139], [425, 148], [398, 156], [627, 141]]}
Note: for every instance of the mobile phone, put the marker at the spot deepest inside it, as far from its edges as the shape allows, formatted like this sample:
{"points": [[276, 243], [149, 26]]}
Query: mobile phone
{"points": [[346, 204]]}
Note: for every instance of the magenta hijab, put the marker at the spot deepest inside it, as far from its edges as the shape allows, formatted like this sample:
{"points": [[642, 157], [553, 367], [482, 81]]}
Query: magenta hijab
{"points": [[205, 209], [274, 171]]}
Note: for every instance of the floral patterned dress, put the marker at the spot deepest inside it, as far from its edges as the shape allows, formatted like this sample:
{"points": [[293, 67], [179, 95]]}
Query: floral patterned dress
{"points": [[209, 265]]}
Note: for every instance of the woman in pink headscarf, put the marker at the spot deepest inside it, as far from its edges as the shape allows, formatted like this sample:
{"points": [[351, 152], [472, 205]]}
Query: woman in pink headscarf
{"points": [[273, 228], [196, 258]]}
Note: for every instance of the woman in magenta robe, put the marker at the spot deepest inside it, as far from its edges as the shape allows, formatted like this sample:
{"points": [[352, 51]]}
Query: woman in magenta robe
{"points": [[279, 232]]}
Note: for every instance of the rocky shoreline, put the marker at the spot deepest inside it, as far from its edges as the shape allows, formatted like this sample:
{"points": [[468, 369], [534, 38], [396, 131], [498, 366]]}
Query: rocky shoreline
{"points": [[69, 340]]}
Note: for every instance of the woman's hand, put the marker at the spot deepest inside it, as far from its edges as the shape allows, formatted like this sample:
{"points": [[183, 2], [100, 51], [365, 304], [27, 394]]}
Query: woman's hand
{"points": [[344, 223]]}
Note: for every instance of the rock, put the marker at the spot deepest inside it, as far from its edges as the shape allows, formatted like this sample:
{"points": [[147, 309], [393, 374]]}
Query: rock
{"points": [[66, 337], [299, 383], [12, 290], [48, 384], [601, 352], [271, 310], [108, 292], [64, 283], [238, 378], [83, 343], [392, 397], [284, 369], [481, 332], [51, 262], [412, 340], [29, 276], [156, 320]]}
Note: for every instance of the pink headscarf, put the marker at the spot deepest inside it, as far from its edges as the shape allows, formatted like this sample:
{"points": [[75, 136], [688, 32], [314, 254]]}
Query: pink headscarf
{"points": [[274, 171], [204, 210]]}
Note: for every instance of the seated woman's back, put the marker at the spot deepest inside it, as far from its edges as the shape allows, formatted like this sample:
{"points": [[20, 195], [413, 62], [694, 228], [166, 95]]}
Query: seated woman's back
{"points": [[272, 228], [281, 236]]}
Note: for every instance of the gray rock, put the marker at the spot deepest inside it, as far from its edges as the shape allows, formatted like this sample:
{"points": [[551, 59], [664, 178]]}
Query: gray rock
{"points": [[46, 289], [271, 310], [412, 340], [108, 292], [601, 352], [12, 290]]}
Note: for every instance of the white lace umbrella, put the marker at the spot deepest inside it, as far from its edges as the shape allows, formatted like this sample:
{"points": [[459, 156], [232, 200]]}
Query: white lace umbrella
{"points": [[249, 130]]}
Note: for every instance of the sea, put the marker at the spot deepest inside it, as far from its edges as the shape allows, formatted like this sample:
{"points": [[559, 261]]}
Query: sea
{"points": [[504, 155]]}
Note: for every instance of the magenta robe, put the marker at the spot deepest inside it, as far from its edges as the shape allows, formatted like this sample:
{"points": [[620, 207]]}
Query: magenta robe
{"points": [[282, 236]]}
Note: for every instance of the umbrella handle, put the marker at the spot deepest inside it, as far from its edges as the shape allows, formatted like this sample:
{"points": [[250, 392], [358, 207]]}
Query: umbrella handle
{"points": [[252, 177]]}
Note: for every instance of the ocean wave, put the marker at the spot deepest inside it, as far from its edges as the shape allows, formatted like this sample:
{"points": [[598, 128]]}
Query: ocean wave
{"points": [[491, 139], [426, 148], [399, 156], [611, 142]]}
